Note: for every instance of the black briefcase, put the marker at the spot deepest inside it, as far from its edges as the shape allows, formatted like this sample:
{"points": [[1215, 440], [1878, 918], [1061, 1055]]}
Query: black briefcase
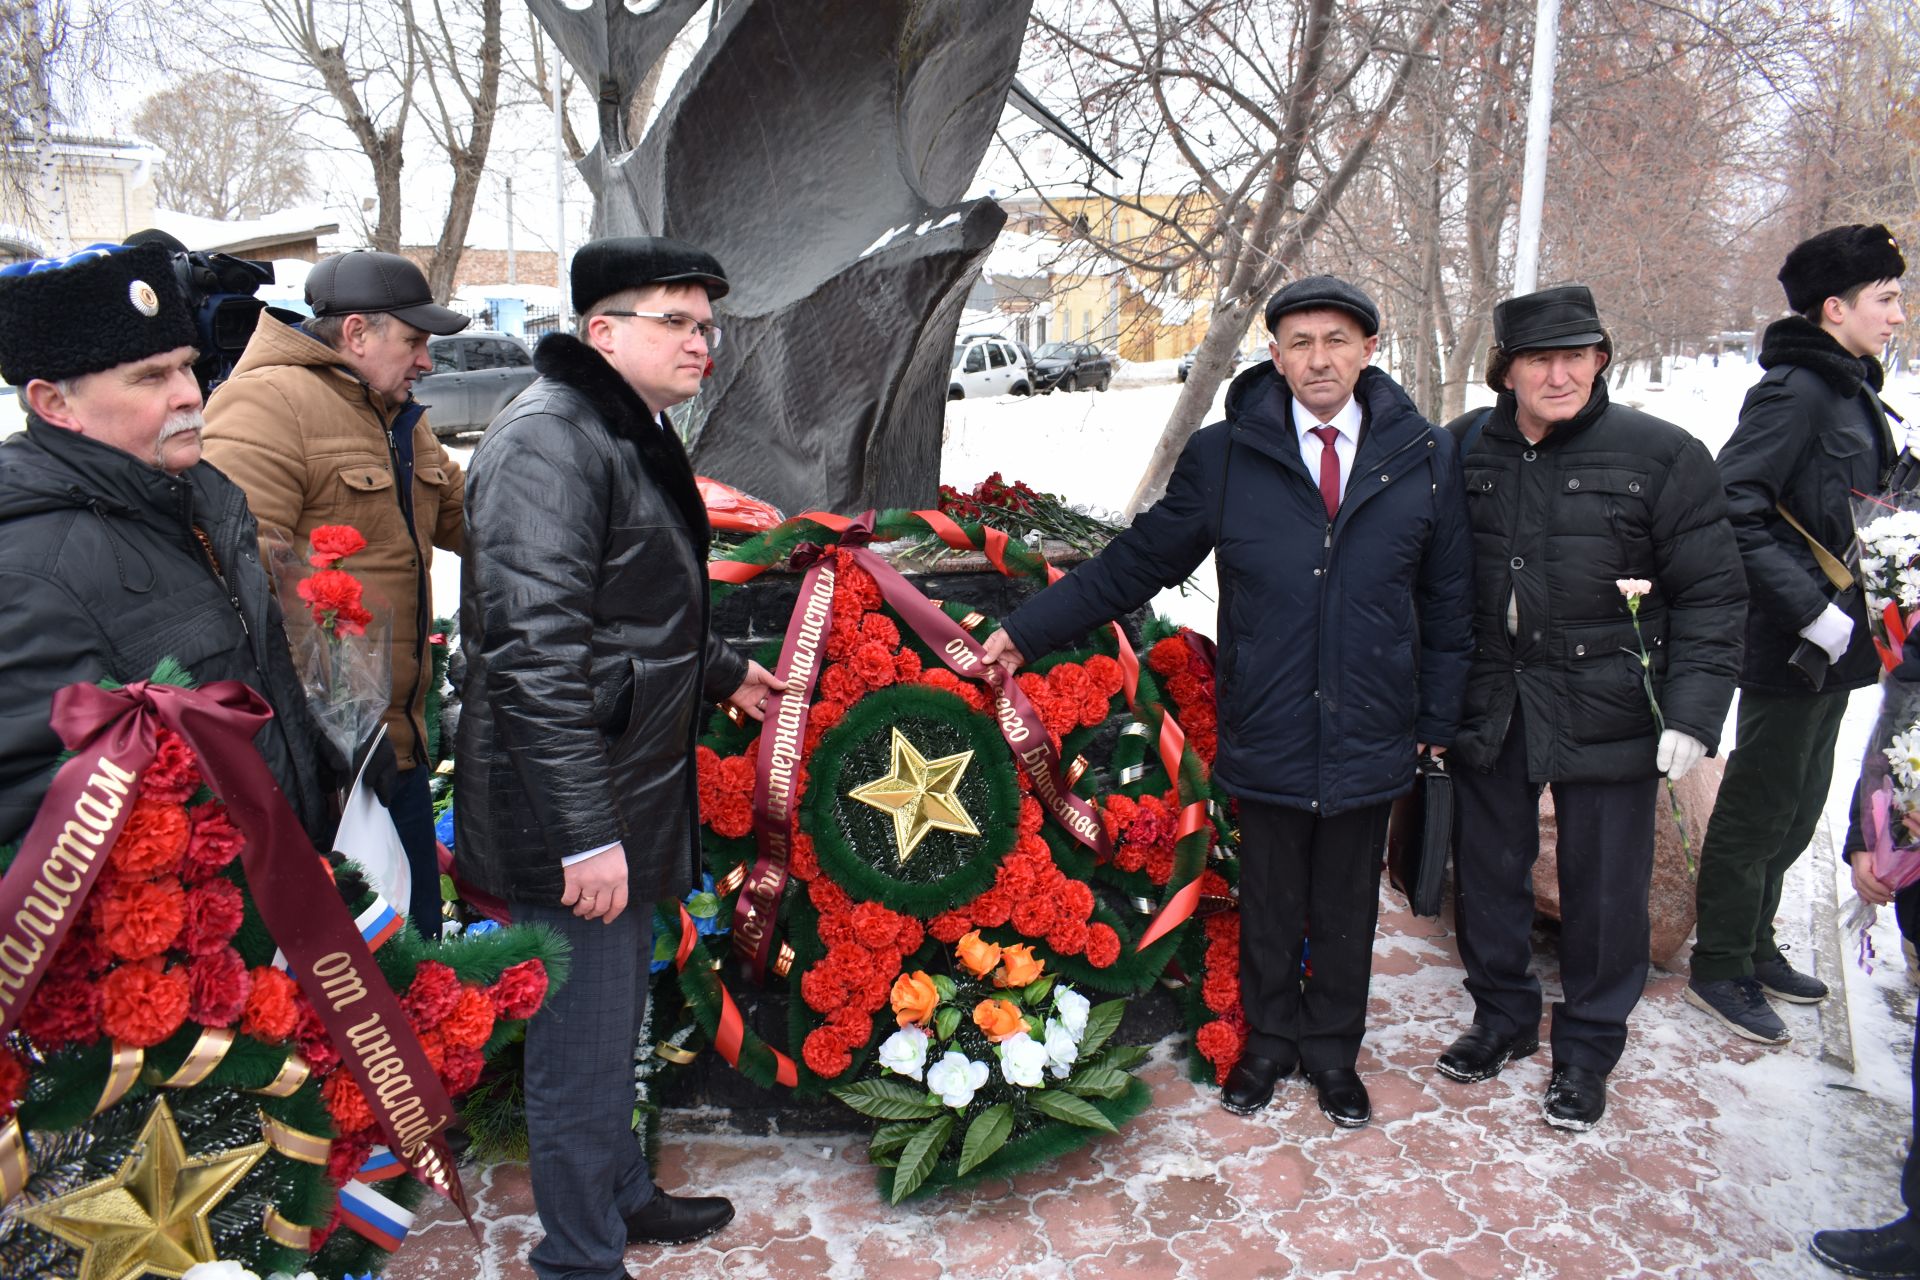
{"points": [[1420, 837]]}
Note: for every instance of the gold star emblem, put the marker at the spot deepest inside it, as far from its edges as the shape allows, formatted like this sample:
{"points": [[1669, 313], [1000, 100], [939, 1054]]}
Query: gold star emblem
{"points": [[151, 1216], [919, 794]]}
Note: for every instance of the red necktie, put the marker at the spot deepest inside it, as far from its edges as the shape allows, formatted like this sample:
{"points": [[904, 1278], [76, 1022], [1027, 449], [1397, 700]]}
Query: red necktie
{"points": [[1329, 469]]}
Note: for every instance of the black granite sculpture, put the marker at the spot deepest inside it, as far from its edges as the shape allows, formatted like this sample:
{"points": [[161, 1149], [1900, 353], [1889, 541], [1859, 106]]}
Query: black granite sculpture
{"points": [[822, 151]]}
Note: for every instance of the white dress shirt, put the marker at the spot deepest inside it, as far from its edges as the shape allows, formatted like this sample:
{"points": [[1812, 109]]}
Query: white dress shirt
{"points": [[1346, 421]]}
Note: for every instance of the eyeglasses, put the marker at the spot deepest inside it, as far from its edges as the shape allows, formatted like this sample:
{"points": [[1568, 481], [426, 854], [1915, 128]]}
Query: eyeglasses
{"points": [[679, 325]]}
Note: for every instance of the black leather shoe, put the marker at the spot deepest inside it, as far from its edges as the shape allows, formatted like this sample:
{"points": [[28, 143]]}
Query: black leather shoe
{"points": [[1482, 1052], [678, 1219], [1884, 1252], [1576, 1098], [1250, 1084], [1343, 1099]]}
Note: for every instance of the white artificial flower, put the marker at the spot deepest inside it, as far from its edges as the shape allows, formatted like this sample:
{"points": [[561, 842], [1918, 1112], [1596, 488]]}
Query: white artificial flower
{"points": [[905, 1052], [218, 1271], [1072, 1008], [1633, 588], [955, 1077], [1022, 1058], [1062, 1050]]}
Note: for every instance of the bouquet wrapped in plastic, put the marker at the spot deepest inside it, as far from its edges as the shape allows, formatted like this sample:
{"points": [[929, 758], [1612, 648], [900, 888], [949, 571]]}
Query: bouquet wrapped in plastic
{"points": [[340, 648], [1890, 788], [1889, 532]]}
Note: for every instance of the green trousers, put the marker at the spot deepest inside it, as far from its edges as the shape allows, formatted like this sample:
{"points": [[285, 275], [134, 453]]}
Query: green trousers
{"points": [[1770, 801]]}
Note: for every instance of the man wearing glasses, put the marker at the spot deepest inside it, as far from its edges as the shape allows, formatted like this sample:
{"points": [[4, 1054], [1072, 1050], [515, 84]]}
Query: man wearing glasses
{"points": [[583, 621]]}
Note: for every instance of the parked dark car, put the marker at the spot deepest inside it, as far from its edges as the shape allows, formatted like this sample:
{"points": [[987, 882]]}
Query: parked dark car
{"points": [[1072, 366], [474, 377], [1240, 360]]}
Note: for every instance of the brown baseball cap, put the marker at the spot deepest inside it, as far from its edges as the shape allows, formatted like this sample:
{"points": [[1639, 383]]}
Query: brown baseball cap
{"points": [[367, 282]]}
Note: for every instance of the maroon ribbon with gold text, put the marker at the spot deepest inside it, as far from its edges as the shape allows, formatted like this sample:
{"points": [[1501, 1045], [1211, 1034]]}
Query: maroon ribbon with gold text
{"points": [[112, 735], [783, 739]]}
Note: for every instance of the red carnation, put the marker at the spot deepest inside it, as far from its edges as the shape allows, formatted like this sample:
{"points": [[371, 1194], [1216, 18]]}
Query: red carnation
{"points": [[825, 715], [1106, 675], [828, 897], [1160, 864], [1168, 656], [154, 838], [838, 684], [214, 841], [1093, 710], [733, 816], [81, 954], [346, 1103], [874, 925], [878, 628], [63, 1011], [1035, 917], [991, 909], [141, 1006], [1220, 1043], [471, 1021], [1069, 937], [906, 666], [13, 1082], [1130, 856], [1069, 680], [520, 990], [1103, 945], [941, 678], [1032, 816], [432, 997], [950, 926], [735, 775], [346, 1155], [461, 1069], [1224, 927], [214, 911], [174, 775], [333, 542], [822, 989], [1076, 899], [825, 1053], [271, 1012], [333, 598], [217, 987], [141, 918], [873, 663], [1221, 990], [910, 936]]}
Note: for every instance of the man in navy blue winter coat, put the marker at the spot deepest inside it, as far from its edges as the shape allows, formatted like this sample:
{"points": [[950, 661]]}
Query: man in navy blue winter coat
{"points": [[1337, 519]]}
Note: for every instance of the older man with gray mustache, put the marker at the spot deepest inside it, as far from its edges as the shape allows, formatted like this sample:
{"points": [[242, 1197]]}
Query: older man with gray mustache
{"points": [[118, 545]]}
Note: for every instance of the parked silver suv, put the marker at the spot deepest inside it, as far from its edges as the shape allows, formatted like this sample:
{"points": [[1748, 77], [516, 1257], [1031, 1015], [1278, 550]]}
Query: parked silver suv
{"points": [[475, 375]]}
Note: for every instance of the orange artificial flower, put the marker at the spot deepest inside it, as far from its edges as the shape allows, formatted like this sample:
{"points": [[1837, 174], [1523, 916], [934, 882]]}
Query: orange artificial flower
{"points": [[1018, 967], [914, 998], [978, 955], [998, 1019]]}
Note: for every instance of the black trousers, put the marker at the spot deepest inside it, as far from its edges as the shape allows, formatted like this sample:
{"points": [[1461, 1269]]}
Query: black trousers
{"points": [[412, 812], [1606, 866], [1302, 873]]}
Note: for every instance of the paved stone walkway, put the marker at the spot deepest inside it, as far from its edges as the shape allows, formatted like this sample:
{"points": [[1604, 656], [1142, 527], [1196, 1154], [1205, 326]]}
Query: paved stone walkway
{"points": [[1716, 1159]]}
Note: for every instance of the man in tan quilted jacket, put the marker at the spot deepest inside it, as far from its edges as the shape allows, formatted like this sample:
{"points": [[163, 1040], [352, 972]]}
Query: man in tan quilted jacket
{"points": [[319, 426]]}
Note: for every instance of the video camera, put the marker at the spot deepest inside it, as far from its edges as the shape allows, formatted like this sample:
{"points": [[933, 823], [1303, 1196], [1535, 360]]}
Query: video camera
{"points": [[220, 291]]}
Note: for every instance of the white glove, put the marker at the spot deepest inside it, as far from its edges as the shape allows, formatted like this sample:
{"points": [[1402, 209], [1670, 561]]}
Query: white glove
{"points": [[1677, 753], [1832, 631]]}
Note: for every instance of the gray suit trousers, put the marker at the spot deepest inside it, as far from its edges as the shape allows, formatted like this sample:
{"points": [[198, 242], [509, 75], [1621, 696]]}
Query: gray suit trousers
{"points": [[588, 1168]]}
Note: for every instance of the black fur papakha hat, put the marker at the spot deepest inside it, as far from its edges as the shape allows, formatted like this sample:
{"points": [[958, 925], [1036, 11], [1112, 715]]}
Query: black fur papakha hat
{"points": [[103, 306], [607, 266], [1827, 265]]}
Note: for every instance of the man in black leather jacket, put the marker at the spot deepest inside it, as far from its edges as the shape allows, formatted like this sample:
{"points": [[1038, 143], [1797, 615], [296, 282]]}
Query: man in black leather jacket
{"points": [[118, 546], [584, 627], [1812, 437]]}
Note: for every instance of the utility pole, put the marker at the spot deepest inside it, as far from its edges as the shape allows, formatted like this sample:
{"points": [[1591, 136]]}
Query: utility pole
{"points": [[1533, 184], [560, 190]]}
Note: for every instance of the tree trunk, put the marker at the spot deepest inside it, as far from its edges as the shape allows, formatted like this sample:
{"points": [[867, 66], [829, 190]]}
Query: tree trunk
{"points": [[469, 161]]}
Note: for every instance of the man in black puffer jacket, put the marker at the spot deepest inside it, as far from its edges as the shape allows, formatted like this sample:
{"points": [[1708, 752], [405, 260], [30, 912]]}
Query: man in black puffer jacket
{"points": [[1812, 437], [1573, 498], [583, 623], [118, 546], [1335, 516]]}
